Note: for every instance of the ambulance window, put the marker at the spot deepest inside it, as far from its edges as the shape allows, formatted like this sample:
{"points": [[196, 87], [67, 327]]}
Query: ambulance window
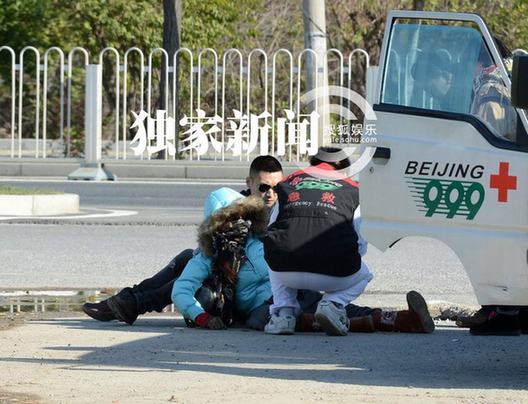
{"points": [[446, 66]]}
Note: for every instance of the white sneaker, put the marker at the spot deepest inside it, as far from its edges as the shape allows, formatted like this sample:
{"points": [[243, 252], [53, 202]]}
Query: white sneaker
{"points": [[280, 325], [332, 319]]}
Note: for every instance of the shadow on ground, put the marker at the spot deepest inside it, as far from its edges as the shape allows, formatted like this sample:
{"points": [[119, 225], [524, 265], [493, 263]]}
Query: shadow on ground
{"points": [[448, 358]]}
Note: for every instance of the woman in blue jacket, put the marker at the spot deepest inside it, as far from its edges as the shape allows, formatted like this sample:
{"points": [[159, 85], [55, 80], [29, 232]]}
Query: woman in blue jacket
{"points": [[228, 278], [230, 264]]}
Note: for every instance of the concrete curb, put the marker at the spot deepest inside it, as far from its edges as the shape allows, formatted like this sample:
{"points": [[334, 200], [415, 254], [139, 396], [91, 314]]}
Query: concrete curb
{"points": [[205, 169], [31, 205]]}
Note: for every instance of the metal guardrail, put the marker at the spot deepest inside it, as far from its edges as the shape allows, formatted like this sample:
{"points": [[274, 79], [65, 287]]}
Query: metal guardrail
{"points": [[231, 68], [40, 301]]}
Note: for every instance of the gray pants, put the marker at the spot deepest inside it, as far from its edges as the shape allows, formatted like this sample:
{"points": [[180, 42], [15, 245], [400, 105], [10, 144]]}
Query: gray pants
{"points": [[260, 316]]}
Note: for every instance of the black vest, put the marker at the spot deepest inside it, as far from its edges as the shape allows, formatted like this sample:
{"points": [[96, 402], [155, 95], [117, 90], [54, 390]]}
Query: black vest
{"points": [[313, 231]]}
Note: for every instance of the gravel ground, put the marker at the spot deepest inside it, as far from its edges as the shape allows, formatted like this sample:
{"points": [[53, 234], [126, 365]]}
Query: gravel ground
{"points": [[75, 359]]}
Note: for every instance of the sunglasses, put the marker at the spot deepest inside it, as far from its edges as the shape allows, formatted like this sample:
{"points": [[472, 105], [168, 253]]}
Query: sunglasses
{"points": [[266, 187]]}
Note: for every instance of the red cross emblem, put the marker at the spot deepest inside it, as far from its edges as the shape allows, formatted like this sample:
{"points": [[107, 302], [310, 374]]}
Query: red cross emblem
{"points": [[503, 182]]}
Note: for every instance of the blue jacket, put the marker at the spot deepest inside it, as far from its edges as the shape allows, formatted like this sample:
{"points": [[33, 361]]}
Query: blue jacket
{"points": [[253, 286]]}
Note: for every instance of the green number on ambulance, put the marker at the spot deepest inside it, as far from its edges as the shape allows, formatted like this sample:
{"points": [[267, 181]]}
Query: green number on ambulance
{"points": [[432, 203], [454, 205], [474, 207]]}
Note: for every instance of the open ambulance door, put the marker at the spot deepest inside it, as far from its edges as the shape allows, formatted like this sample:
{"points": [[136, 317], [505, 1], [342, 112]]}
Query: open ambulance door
{"points": [[441, 170]]}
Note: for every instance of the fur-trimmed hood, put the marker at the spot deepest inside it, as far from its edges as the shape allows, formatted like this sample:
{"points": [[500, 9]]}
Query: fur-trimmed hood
{"points": [[250, 208]]}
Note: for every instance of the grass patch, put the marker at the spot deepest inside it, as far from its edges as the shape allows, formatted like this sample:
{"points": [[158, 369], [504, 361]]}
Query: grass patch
{"points": [[9, 190]]}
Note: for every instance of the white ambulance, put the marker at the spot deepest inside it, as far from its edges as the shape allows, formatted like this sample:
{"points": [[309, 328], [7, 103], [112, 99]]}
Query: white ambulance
{"points": [[450, 166]]}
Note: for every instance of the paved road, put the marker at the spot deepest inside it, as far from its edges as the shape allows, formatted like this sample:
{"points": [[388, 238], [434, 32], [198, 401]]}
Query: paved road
{"points": [[116, 252], [80, 256], [156, 202], [137, 194]]}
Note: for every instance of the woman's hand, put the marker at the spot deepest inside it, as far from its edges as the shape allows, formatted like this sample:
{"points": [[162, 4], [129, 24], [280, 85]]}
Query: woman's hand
{"points": [[215, 323], [205, 320]]}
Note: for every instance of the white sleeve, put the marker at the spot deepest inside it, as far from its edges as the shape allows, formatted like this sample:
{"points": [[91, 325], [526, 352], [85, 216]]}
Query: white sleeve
{"points": [[356, 223]]}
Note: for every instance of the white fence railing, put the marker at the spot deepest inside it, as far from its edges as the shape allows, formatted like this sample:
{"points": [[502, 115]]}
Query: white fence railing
{"points": [[208, 81]]}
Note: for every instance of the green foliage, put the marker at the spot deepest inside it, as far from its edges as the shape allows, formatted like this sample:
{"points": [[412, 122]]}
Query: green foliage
{"points": [[21, 22], [10, 190], [92, 24], [218, 23]]}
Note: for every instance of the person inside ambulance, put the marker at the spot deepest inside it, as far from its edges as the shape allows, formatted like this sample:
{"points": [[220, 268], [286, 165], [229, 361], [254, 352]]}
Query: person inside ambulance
{"points": [[491, 98], [491, 103], [432, 74]]}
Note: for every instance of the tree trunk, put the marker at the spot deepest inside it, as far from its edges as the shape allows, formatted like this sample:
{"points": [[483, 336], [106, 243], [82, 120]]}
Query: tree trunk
{"points": [[172, 13], [418, 5]]}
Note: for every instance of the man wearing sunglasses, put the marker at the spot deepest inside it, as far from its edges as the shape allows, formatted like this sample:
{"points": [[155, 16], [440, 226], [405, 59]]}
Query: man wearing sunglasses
{"points": [[265, 173], [154, 294], [432, 74]]}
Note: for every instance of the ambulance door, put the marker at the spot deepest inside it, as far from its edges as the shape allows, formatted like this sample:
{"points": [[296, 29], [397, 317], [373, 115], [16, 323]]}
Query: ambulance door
{"points": [[441, 170]]}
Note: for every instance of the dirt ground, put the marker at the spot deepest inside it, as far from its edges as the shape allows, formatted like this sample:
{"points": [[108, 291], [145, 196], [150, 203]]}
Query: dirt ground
{"points": [[9, 320], [48, 358]]}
